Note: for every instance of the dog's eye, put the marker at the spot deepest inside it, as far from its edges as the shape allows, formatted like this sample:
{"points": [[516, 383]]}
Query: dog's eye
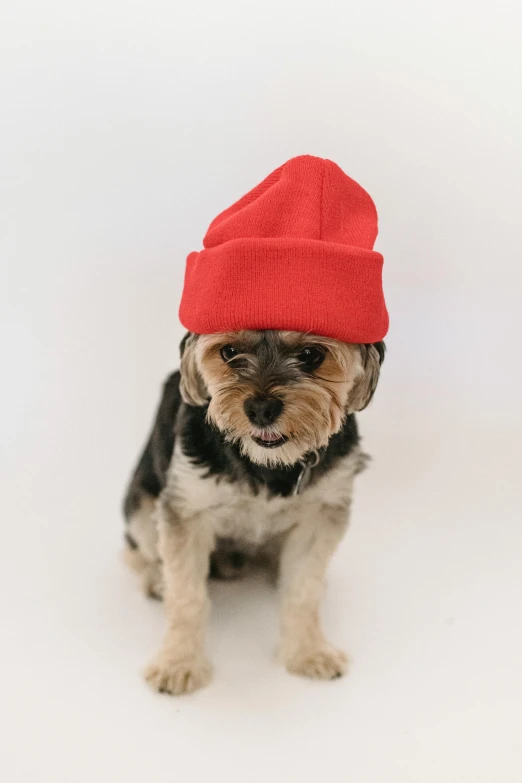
{"points": [[312, 357], [228, 352]]}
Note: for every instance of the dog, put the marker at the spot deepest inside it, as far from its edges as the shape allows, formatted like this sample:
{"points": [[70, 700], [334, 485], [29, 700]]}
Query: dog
{"points": [[252, 457]]}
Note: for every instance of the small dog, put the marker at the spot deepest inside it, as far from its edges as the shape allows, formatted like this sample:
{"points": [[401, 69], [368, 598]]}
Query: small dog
{"points": [[252, 456]]}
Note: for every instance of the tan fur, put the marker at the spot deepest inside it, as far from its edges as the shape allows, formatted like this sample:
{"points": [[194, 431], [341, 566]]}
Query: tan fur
{"points": [[145, 560], [192, 387], [151, 573], [141, 531], [366, 383]]}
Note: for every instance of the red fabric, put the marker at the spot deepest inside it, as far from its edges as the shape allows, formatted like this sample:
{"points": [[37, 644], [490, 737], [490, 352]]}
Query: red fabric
{"points": [[295, 253]]}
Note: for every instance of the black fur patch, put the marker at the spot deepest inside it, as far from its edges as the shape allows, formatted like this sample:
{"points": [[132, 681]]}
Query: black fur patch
{"points": [[151, 472]]}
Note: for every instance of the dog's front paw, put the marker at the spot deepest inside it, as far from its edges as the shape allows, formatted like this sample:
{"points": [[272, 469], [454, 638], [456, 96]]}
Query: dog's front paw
{"points": [[321, 663], [169, 674]]}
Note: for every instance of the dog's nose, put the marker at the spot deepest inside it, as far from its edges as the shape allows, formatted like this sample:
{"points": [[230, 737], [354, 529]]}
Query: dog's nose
{"points": [[263, 411]]}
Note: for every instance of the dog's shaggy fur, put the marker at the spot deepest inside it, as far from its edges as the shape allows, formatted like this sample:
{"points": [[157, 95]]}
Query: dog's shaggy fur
{"points": [[252, 457]]}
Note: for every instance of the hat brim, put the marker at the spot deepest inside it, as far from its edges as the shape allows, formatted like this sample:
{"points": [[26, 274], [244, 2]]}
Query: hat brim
{"points": [[301, 285]]}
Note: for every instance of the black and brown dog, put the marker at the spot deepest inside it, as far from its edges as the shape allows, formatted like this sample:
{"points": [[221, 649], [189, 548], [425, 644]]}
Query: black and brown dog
{"points": [[252, 455]]}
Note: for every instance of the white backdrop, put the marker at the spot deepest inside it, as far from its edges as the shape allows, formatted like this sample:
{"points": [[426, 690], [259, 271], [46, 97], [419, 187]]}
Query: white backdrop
{"points": [[125, 128]]}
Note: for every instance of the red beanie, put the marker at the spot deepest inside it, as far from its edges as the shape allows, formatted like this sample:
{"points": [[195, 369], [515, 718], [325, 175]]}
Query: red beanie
{"points": [[295, 253]]}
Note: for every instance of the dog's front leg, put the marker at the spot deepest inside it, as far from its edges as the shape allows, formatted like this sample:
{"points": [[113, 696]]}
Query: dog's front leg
{"points": [[304, 560], [184, 547]]}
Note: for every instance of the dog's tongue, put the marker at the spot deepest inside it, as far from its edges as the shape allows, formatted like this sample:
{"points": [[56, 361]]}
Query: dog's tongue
{"points": [[267, 436]]}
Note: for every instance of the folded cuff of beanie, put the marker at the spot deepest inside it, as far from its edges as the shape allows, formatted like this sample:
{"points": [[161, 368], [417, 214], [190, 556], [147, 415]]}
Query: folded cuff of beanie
{"points": [[294, 284]]}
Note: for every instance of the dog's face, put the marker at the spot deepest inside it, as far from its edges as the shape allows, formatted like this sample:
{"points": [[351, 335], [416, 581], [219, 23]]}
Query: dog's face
{"points": [[278, 394]]}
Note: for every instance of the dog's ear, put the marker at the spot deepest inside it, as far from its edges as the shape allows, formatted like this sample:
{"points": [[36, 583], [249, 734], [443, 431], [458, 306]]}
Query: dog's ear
{"points": [[192, 386], [372, 356]]}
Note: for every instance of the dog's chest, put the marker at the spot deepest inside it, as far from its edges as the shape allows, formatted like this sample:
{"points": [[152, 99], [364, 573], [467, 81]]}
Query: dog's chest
{"points": [[234, 511]]}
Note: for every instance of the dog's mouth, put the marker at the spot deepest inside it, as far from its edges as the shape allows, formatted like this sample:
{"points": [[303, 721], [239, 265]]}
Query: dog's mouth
{"points": [[268, 439]]}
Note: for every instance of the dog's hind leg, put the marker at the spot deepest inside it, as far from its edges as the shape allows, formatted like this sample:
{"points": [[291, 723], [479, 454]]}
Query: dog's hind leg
{"points": [[141, 550]]}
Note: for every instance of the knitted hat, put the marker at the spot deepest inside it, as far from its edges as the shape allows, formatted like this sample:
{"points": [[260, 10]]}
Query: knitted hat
{"points": [[295, 253]]}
